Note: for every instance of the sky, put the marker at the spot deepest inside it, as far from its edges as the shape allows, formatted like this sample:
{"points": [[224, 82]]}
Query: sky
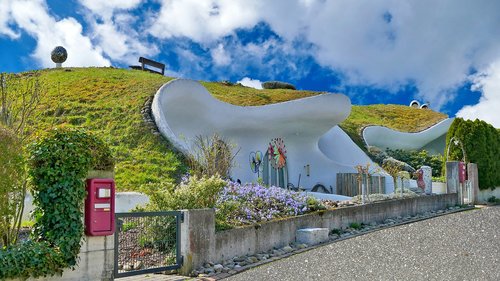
{"points": [[442, 52]]}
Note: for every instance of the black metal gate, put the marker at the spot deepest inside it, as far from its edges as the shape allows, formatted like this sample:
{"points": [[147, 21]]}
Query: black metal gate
{"points": [[147, 242]]}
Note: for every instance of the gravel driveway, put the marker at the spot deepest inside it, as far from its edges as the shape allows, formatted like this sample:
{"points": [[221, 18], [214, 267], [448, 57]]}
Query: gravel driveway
{"points": [[460, 246]]}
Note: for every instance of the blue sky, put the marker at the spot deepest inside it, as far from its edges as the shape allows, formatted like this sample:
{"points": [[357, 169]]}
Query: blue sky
{"points": [[443, 52]]}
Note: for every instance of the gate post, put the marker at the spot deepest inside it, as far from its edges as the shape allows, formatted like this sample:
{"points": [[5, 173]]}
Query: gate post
{"points": [[197, 238], [472, 176], [452, 183]]}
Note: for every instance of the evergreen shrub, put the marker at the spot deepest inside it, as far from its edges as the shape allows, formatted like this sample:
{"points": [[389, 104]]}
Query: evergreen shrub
{"points": [[481, 142]]}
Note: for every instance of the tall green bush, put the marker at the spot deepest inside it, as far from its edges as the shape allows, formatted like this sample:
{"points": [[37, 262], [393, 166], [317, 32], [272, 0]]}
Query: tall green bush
{"points": [[481, 142], [58, 165]]}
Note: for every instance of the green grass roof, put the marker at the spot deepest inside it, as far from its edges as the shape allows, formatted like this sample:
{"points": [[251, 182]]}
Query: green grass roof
{"points": [[108, 101]]}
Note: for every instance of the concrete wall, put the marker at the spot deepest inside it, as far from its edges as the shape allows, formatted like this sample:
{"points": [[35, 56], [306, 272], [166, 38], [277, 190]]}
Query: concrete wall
{"points": [[201, 244], [483, 195]]}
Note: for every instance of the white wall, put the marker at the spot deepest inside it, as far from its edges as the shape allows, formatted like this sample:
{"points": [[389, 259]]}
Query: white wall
{"points": [[485, 194]]}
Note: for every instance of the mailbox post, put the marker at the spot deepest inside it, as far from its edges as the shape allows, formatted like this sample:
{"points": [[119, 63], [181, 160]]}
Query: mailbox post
{"points": [[100, 207]]}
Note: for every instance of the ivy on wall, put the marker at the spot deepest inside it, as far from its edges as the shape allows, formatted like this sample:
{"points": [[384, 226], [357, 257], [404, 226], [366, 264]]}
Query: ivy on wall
{"points": [[481, 142], [58, 165]]}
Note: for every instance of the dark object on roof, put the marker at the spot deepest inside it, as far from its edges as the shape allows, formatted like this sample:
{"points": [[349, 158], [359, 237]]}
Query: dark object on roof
{"points": [[59, 54], [144, 61], [277, 85]]}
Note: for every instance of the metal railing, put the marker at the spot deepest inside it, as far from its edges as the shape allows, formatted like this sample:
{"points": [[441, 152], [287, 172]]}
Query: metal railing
{"points": [[147, 242]]}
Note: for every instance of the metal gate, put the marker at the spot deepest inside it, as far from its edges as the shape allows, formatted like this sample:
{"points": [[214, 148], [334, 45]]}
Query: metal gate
{"points": [[147, 242]]}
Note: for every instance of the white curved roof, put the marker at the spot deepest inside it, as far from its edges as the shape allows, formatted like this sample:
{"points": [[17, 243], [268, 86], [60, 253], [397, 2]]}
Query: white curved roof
{"points": [[184, 109], [384, 137]]}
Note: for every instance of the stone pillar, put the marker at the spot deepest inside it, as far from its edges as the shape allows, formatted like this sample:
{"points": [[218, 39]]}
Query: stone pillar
{"points": [[197, 238], [427, 176], [472, 176], [452, 183]]}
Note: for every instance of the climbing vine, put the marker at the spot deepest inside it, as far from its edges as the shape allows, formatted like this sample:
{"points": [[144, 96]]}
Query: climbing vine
{"points": [[58, 165]]}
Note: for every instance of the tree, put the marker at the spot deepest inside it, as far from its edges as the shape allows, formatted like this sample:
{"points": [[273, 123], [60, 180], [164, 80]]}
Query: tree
{"points": [[19, 97], [12, 186], [481, 142]]}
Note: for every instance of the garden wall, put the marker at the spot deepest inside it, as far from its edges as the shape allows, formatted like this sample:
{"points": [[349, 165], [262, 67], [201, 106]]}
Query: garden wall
{"points": [[200, 243]]}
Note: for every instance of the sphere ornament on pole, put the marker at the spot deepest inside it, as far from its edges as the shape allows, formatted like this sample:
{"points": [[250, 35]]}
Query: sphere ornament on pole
{"points": [[59, 55]]}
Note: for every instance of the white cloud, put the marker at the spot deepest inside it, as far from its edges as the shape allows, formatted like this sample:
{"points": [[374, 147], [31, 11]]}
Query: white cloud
{"points": [[252, 83], [33, 17], [489, 104], [106, 8], [6, 20], [204, 20], [390, 43], [116, 31], [387, 44], [220, 56]]}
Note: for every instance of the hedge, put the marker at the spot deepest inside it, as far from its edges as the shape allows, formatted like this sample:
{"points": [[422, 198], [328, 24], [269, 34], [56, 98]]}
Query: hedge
{"points": [[481, 142], [58, 165]]}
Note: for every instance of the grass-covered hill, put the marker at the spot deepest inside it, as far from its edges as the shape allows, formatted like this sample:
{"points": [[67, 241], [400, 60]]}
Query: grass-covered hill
{"points": [[109, 101]]}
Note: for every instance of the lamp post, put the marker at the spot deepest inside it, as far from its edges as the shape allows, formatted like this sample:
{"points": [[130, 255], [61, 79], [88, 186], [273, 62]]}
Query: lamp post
{"points": [[456, 142], [464, 186]]}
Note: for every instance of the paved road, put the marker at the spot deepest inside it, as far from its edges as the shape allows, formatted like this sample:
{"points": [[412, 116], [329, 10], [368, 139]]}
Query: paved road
{"points": [[460, 246]]}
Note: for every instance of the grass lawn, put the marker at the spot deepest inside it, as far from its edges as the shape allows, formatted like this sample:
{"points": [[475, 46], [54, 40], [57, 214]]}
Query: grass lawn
{"points": [[108, 102]]}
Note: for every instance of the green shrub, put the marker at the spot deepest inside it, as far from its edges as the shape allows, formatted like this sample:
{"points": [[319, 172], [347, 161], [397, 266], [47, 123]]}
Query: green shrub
{"points": [[439, 179], [58, 165], [416, 159], [355, 225], [493, 200], [277, 85], [193, 193], [12, 186], [481, 142]]}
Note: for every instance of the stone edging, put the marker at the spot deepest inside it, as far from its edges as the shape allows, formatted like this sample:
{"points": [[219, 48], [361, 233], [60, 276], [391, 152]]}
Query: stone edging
{"points": [[147, 116], [216, 273]]}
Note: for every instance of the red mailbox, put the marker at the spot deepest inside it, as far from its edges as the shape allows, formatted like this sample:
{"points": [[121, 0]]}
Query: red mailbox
{"points": [[462, 175], [100, 207]]}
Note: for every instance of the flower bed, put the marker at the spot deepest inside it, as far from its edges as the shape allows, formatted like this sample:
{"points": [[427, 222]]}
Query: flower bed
{"points": [[252, 203]]}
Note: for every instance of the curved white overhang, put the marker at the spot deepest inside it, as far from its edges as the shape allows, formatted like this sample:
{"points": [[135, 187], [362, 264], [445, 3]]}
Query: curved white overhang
{"points": [[183, 109], [384, 137]]}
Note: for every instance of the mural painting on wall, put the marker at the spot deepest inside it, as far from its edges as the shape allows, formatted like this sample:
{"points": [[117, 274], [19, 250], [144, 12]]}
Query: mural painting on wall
{"points": [[277, 153], [255, 162]]}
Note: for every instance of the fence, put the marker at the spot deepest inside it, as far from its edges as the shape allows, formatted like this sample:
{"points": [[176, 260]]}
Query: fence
{"points": [[147, 242], [347, 184]]}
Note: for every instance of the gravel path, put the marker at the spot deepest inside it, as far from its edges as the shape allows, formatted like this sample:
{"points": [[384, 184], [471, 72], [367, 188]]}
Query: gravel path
{"points": [[460, 246]]}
